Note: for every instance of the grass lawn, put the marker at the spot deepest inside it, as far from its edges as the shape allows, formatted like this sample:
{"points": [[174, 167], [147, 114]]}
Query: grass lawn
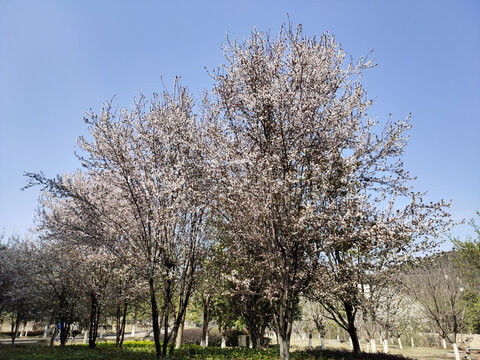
{"points": [[419, 353], [145, 350]]}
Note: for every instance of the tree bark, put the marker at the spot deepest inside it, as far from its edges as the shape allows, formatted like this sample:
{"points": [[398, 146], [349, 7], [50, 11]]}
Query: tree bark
{"points": [[179, 337], [54, 335], [121, 325], [223, 331], [14, 328], [186, 288], [166, 304], [135, 311], [284, 344], [65, 329], [283, 323], [352, 330], [455, 351], [156, 327], [205, 302], [45, 331], [94, 320]]}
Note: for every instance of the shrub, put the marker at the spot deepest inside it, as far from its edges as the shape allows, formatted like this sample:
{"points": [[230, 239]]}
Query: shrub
{"points": [[194, 337]]}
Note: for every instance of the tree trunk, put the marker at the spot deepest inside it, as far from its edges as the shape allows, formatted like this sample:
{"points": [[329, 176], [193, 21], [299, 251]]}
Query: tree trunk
{"points": [[156, 328], [186, 288], [45, 332], [94, 320], [179, 337], [400, 343], [14, 328], [117, 326], [123, 324], [22, 329], [65, 329], [224, 338], [134, 321], [253, 337], [455, 351], [178, 326], [54, 335], [166, 336], [284, 347], [352, 330], [120, 318], [166, 317], [205, 302], [283, 323]]}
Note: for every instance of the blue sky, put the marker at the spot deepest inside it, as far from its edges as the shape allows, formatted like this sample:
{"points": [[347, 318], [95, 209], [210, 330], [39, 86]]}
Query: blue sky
{"points": [[60, 58]]}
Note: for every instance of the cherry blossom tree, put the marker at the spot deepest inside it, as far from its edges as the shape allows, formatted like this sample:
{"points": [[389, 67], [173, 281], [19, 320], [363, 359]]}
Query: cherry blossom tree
{"points": [[145, 190], [57, 268], [375, 239], [67, 222], [305, 178], [282, 163], [16, 282], [284, 105]]}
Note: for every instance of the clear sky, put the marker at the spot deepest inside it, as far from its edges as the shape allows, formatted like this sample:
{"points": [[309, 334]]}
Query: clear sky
{"points": [[60, 58]]}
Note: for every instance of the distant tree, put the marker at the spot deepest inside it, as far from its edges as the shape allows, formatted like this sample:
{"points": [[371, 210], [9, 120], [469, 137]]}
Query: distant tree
{"points": [[58, 267], [438, 289], [245, 284], [397, 313], [466, 255], [16, 283], [314, 316]]}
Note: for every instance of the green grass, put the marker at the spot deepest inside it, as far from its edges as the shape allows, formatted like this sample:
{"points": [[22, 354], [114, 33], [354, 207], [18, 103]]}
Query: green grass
{"points": [[145, 350]]}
